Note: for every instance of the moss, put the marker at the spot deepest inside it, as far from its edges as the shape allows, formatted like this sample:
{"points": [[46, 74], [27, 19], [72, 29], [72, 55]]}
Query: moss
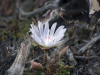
{"points": [[16, 28], [65, 70], [81, 30], [69, 31], [33, 74], [22, 28], [80, 23], [26, 29], [42, 73], [4, 35]]}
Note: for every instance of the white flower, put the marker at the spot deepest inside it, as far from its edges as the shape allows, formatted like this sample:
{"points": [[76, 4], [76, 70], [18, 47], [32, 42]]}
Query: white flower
{"points": [[47, 37]]}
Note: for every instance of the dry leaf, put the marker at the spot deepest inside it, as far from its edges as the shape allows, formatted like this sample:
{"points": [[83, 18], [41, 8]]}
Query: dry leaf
{"points": [[93, 6], [63, 51]]}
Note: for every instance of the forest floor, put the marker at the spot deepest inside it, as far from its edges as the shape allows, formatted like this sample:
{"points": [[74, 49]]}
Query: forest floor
{"points": [[82, 37]]}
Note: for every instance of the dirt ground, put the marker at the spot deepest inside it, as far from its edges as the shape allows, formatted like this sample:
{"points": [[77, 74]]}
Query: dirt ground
{"points": [[82, 35]]}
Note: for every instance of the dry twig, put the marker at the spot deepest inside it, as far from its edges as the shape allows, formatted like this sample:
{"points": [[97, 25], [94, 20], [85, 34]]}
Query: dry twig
{"points": [[84, 48], [84, 57], [40, 10]]}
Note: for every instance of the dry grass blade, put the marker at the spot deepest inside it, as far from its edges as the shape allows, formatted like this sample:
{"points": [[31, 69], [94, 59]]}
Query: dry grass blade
{"points": [[61, 53]]}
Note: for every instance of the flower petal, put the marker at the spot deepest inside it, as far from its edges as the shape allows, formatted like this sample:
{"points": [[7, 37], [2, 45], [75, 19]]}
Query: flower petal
{"points": [[59, 43], [51, 43], [59, 29], [37, 31], [53, 29], [32, 28], [40, 28], [59, 37], [36, 38], [62, 31], [43, 41], [46, 29], [58, 34]]}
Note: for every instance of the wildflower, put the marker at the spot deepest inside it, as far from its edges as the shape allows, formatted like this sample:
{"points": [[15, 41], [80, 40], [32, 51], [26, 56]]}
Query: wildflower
{"points": [[47, 37]]}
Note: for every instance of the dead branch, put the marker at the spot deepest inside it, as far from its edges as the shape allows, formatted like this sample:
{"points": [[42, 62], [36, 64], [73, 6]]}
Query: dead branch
{"points": [[21, 58], [40, 10], [70, 56], [50, 16], [84, 57], [92, 41]]}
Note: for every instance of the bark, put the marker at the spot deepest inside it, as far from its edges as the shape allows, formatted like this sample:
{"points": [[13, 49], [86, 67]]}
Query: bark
{"points": [[21, 58]]}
